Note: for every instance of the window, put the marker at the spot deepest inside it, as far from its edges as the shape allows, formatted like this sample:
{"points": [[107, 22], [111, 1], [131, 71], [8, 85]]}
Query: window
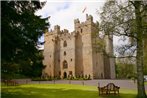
{"points": [[64, 53], [65, 65], [70, 72], [101, 75], [59, 72], [55, 41], [81, 30], [64, 44], [70, 59]]}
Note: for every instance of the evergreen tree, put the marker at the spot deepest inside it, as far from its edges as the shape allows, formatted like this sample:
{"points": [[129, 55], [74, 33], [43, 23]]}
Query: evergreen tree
{"points": [[20, 31]]}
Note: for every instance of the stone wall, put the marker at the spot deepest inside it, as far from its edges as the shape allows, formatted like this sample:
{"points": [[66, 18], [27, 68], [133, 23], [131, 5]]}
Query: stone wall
{"points": [[79, 53]]}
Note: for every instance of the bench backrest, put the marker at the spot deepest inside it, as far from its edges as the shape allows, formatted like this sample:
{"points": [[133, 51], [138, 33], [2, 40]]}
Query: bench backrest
{"points": [[110, 86]]}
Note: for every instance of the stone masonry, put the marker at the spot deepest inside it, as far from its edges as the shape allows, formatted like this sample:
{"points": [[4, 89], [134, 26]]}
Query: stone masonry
{"points": [[79, 53]]}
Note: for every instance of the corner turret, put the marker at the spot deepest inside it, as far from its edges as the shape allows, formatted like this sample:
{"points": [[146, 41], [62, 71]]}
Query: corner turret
{"points": [[89, 18], [65, 31], [76, 23], [56, 29]]}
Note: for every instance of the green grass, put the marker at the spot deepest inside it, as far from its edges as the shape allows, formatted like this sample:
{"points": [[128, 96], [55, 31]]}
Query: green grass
{"points": [[58, 91]]}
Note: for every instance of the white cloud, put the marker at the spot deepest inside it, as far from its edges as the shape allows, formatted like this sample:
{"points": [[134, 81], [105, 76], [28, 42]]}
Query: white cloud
{"points": [[63, 13]]}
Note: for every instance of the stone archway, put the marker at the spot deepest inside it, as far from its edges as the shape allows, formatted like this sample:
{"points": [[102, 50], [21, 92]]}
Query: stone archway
{"points": [[64, 75]]}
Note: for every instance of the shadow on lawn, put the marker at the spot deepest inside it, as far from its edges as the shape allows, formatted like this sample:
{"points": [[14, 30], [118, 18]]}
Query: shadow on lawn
{"points": [[119, 96], [31, 92]]}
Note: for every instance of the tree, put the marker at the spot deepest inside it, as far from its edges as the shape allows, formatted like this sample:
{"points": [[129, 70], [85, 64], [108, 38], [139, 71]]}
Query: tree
{"points": [[139, 55], [145, 57], [125, 68], [126, 19], [21, 29]]}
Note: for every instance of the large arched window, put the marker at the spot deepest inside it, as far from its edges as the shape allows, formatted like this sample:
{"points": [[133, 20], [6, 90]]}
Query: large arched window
{"points": [[64, 44], [65, 65]]}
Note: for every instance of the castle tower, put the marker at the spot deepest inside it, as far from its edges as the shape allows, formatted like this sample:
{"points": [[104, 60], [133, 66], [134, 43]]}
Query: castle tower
{"points": [[84, 29], [57, 68], [78, 55], [51, 52], [109, 51], [48, 54], [67, 54]]}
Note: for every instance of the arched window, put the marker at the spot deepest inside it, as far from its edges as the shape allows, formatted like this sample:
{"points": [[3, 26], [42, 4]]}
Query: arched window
{"points": [[65, 65], [64, 44]]}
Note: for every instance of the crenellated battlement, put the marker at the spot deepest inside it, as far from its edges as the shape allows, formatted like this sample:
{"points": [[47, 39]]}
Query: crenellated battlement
{"points": [[89, 18], [84, 26], [78, 53], [79, 26], [88, 26], [57, 27], [76, 21]]}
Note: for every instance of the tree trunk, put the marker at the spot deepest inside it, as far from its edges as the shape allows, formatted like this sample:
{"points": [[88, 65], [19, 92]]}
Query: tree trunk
{"points": [[139, 57]]}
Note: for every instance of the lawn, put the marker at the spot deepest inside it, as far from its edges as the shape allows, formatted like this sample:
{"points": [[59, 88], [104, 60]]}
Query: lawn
{"points": [[58, 91]]}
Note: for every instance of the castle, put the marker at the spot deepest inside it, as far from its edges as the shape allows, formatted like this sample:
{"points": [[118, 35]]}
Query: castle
{"points": [[79, 53]]}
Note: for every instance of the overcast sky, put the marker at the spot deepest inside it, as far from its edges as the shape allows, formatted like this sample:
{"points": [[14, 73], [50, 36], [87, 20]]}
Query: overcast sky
{"points": [[63, 12]]}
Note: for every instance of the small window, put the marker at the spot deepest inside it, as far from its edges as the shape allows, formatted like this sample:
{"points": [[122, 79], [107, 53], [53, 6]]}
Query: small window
{"points": [[70, 72], [81, 30], [65, 65], [59, 72], [64, 53], [50, 56], [70, 59], [64, 44]]}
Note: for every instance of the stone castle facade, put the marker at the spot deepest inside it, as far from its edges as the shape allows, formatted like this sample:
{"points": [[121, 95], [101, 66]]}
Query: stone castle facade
{"points": [[79, 53]]}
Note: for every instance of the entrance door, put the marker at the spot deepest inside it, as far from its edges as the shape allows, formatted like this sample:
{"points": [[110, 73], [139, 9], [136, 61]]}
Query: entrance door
{"points": [[64, 75]]}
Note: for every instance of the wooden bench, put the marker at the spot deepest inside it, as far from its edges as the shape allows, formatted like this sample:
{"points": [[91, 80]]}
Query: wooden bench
{"points": [[108, 89]]}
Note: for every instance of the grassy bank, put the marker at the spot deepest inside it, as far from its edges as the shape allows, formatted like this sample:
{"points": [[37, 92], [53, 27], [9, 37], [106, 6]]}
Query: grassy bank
{"points": [[58, 91]]}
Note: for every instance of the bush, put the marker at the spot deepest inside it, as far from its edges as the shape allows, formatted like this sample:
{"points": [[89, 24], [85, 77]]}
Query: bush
{"points": [[41, 79], [80, 77], [48, 78], [12, 76]]}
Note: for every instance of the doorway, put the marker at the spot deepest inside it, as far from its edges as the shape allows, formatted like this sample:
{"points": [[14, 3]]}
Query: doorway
{"points": [[64, 75]]}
